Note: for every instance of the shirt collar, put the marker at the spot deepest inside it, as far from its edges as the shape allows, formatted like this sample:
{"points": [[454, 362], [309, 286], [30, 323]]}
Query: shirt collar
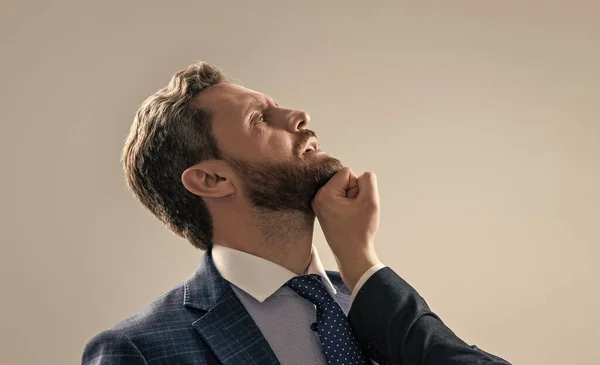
{"points": [[260, 277]]}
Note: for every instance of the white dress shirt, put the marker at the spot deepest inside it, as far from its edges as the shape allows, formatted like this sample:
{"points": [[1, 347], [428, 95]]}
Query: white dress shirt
{"points": [[283, 316]]}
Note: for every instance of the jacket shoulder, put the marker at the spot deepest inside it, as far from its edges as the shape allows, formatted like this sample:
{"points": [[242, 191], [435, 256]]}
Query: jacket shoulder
{"points": [[137, 339], [112, 347], [156, 315]]}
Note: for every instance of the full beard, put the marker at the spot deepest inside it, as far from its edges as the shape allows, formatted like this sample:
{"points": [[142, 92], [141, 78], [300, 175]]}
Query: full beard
{"points": [[285, 186]]}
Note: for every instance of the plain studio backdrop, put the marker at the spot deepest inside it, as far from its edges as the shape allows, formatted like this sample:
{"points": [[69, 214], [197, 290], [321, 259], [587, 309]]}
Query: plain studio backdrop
{"points": [[481, 120]]}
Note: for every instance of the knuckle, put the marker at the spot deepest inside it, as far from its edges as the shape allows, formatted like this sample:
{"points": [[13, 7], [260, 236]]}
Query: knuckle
{"points": [[319, 198], [373, 204]]}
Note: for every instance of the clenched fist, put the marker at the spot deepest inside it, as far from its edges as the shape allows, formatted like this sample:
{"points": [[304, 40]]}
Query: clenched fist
{"points": [[348, 211]]}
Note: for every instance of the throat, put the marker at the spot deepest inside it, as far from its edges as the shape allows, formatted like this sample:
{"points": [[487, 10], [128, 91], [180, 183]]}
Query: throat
{"points": [[287, 238]]}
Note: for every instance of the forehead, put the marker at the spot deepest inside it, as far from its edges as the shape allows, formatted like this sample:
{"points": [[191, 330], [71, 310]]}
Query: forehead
{"points": [[222, 98], [229, 105]]}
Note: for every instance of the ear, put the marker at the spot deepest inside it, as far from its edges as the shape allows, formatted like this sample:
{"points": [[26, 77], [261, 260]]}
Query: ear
{"points": [[209, 179]]}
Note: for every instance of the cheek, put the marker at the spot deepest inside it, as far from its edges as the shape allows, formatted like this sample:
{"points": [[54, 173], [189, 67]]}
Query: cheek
{"points": [[272, 148], [260, 150], [278, 145], [262, 147]]}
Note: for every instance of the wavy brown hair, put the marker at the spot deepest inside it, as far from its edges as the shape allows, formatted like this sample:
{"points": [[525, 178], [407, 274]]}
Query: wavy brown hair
{"points": [[168, 135]]}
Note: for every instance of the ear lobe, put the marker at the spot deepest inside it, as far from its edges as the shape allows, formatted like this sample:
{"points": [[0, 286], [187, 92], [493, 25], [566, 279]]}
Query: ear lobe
{"points": [[201, 181]]}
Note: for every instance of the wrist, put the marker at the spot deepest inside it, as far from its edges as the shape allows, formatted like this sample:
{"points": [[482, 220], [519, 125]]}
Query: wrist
{"points": [[352, 268]]}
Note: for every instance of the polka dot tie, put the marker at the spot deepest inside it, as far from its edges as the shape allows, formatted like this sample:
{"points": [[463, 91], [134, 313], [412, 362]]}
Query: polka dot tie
{"points": [[337, 338]]}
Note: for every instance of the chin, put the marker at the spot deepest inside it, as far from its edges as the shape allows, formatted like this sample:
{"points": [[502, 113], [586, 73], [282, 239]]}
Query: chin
{"points": [[326, 167], [312, 157]]}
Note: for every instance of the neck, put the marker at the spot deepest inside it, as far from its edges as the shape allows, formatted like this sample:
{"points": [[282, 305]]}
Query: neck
{"points": [[284, 238]]}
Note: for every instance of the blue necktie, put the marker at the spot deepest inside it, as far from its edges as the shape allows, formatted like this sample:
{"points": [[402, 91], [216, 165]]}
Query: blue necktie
{"points": [[337, 338]]}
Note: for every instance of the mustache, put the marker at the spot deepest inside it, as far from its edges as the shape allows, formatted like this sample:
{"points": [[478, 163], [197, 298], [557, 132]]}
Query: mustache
{"points": [[306, 135]]}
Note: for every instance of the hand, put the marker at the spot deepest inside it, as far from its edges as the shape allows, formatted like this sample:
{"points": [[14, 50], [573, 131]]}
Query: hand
{"points": [[348, 211]]}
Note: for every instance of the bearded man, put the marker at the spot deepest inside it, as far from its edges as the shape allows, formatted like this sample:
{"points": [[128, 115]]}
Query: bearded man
{"points": [[243, 179]]}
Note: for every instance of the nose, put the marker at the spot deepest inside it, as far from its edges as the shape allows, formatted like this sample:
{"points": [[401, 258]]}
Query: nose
{"points": [[300, 121]]}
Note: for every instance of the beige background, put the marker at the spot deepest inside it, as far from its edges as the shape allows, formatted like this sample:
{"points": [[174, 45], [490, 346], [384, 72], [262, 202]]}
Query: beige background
{"points": [[481, 120]]}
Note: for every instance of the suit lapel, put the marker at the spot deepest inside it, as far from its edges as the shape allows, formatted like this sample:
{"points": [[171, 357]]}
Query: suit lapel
{"points": [[240, 343], [227, 328]]}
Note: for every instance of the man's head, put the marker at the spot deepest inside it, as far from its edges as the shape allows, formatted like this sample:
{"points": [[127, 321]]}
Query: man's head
{"points": [[203, 139]]}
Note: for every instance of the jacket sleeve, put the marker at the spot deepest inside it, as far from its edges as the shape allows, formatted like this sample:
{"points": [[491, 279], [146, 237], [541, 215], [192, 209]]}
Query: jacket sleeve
{"points": [[395, 326], [112, 348]]}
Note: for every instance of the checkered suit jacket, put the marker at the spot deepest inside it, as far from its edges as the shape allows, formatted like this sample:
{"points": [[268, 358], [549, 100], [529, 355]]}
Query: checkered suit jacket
{"points": [[201, 321]]}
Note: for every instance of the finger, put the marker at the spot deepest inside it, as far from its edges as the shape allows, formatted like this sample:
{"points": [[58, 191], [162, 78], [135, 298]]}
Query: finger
{"points": [[352, 191], [338, 184], [367, 185]]}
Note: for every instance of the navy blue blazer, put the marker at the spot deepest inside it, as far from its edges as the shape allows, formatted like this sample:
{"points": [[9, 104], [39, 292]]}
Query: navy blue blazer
{"points": [[201, 321], [395, 325]]}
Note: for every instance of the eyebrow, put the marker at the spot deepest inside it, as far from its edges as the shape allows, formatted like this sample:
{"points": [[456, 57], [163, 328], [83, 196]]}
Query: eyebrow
{"points": [[259, 104], [271, 99], [255, 105]]}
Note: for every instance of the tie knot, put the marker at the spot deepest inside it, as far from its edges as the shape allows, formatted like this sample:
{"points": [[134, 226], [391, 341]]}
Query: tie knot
{"points": [[310, 288]]}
